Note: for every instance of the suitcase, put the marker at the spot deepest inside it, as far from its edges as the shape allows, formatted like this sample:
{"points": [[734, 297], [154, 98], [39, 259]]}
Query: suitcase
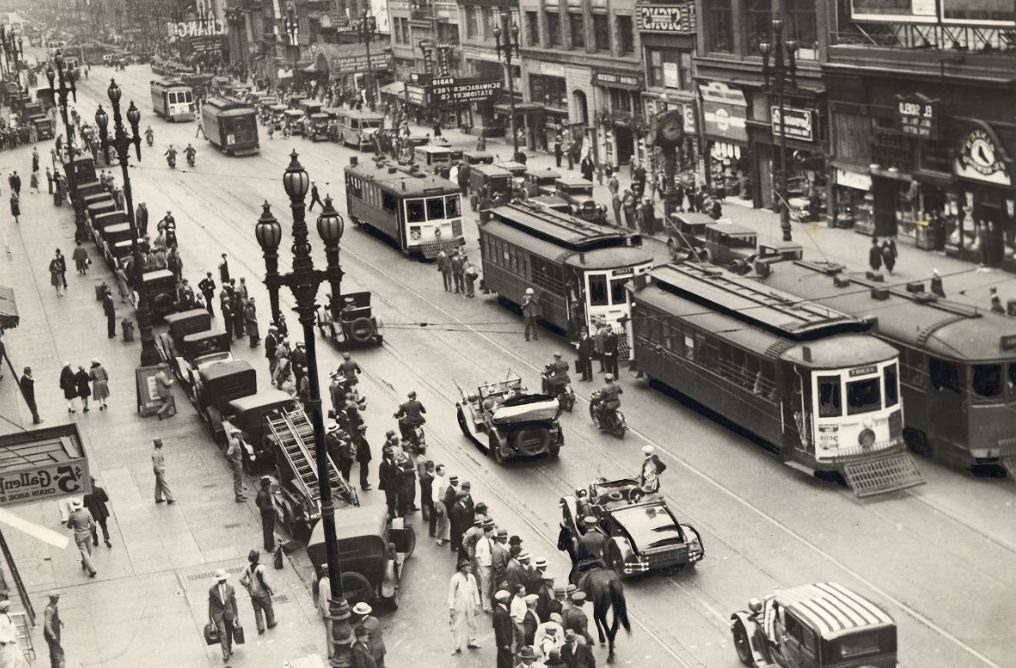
{"points": [[238, 636], [211, 634]]}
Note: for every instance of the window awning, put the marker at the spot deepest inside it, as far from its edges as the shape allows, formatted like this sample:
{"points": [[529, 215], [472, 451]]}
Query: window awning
{"points": [[8, 308], [397, 88], [520, 107]]}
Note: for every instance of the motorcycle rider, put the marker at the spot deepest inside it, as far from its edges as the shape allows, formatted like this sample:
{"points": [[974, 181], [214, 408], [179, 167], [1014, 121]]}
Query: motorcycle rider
{"points": [[168, 227], [191, 154], [556, 375], [150, 135], [410, 415], [610, 400], [170, 156]]}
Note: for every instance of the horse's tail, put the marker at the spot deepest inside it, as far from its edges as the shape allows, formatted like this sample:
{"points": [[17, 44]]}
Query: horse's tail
{"points": [[619, 604]]}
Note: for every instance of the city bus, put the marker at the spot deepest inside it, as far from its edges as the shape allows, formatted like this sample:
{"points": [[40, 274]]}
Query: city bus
{"points": [[811, 382], [420, 213], [958, 362], [172, 99], [577, 269], [230, 125], [357, 128]]}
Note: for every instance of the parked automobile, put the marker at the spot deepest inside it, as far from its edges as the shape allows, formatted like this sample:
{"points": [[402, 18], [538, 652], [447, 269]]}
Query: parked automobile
{"points": [[355, 324]]}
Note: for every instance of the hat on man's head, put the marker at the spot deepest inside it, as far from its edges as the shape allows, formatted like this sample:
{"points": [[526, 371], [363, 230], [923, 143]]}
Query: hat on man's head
{"points": [[540, 562], [362, 608], [527, 653], [571, 589], [578, 597], [559, 591], [221, 575], [532, 598], [502, 595]]}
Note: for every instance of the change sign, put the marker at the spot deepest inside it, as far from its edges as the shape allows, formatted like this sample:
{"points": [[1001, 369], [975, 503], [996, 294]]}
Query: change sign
{"points": [[450, 91]]}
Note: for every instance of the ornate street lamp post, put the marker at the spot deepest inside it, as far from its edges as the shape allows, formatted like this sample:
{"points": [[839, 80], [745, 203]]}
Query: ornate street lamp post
{"points": [[65, 78], [777, 76], [368, 30], [303, 281], [508, 49], [121, 142]]}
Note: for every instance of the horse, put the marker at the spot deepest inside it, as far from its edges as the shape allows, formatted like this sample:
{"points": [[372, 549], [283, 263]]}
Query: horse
{"points": [[603, 588]]}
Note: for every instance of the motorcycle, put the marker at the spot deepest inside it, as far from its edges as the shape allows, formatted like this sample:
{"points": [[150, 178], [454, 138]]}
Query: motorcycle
{"points": [[563, 392], [191, 159], [412, 436], [613, 422], [171, 161]]}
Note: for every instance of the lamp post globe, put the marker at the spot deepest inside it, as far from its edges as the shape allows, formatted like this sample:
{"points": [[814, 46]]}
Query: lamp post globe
{"points": [[330, 224], [295, 180], [268, 230]]}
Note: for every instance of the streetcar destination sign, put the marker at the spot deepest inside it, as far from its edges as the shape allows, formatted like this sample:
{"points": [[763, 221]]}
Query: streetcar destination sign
{"points": [[862, 371]]}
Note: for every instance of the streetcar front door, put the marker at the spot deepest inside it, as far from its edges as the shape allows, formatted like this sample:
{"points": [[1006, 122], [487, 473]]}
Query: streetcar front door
{"points": [[605, 301]]}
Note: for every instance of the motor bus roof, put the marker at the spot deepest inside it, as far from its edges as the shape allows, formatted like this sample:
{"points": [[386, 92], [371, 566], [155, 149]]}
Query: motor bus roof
{"points": [[945, 329], [832, 609]]}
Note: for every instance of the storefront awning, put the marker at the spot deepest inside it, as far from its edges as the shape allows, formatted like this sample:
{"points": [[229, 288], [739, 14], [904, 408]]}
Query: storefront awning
{"points": [[8, 308], [520, 107], [396, 88]]}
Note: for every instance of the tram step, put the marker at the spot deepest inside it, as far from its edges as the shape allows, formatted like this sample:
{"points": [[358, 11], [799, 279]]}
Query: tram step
{"points": [[889, 473], [1009, 464]]}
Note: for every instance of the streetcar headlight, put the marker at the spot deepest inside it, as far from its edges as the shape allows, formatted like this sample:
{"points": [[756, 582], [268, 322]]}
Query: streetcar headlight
{"points": [[437, 232], [414, 234]]}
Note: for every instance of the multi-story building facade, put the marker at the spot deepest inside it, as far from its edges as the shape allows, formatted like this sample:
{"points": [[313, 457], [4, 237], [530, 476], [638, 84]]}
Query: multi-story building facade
{"points": [[424, 32], [923, 128], [740, 141]]}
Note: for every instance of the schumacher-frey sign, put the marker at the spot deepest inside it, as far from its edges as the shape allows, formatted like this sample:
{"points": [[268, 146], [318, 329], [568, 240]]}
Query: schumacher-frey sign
{"points": [[449, 91]]}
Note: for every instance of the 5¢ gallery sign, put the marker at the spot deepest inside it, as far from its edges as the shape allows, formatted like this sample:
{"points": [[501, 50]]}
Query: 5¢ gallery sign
{"points": [[52, 481]]}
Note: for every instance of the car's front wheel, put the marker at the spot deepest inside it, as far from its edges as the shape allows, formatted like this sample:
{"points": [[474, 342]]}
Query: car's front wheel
{"points": [[742, 645]]}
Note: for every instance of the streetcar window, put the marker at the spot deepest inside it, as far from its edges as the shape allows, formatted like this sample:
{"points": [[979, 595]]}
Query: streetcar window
{"points": [[830, 402], [863, 396], [987, 380], [389, 202], [689, 347], [618, 295], [435, 208], [944, 375], [892, 394], [415, 212], [598, 290], [1012, 376], [452, 206], [188, 97]]}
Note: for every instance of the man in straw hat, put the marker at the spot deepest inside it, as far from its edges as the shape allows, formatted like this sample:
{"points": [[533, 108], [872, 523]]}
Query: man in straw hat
{"points": [[82, 523], [368, 621], [222, 612], [463, 602]]}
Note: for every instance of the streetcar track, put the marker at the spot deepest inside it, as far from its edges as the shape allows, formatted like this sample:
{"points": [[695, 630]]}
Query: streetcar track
{"points": [[706, 478]]}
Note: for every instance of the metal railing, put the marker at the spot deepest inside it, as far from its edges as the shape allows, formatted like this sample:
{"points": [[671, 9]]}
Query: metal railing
{"points": [[922, 36]]}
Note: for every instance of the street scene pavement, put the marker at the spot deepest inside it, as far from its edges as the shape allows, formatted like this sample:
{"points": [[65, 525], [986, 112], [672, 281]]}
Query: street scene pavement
{"points": [[939, 558]]}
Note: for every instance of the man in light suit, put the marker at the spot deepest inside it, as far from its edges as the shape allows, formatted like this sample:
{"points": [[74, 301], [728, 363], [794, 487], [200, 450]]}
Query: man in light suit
{"points": [[222, 611]]}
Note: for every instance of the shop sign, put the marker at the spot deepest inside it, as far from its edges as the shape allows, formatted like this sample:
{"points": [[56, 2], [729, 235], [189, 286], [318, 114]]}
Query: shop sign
{"points": [[724, 111], [206, 43], [853, 180], [358, 63], [678, 18], [689, 119], [451, 91], [797, 123], [918, 116], [210, 26], [48, 481], [981, 158], [617, 80], [416, 95]]}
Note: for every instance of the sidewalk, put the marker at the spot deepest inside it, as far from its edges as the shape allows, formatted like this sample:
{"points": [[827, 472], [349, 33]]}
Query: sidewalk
{"points": [[821, 243], [148, 604]]}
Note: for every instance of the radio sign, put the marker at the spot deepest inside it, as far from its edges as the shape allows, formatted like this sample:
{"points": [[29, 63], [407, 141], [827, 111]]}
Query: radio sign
{"points": [[863, 371], [918, 116]]}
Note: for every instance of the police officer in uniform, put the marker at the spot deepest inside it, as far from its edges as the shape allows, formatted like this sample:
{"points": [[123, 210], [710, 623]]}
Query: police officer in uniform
{"points": [[410, 415], [592, 541]]}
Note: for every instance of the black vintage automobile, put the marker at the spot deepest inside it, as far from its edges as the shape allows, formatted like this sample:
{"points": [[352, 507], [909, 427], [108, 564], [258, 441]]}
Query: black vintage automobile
{"points": [[218, 383], [373, 552], [514, 423], [170, 343], [250, 415], [356, 324], [642, 533], [161, 287]]}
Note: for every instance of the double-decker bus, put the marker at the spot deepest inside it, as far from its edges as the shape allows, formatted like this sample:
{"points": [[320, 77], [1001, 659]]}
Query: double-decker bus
{"points": [[958, 362], [421, 213], [172, 99], [577, 269], [230, 125], [813, 383]]}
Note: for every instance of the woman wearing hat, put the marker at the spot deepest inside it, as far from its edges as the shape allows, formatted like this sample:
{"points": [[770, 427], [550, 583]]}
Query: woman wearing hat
{"points": [[100, 383], [81, 381], [68, 385]]}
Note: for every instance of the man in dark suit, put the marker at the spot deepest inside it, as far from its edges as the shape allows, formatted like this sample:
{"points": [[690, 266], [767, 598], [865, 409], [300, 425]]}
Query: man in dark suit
{"points": [[360, 656], [222, 611], [610, 345], [576, 654], [586, 348], [503, 629]]}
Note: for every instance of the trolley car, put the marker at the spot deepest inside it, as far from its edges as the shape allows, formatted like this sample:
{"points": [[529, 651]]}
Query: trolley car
{"points": [[577, 269], [172, 99], [813, 383], [230, 125], [420, 213], [958, 370]]}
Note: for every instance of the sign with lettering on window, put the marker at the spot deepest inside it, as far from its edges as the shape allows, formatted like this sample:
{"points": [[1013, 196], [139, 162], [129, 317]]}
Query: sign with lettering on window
{"points": [[450, 91], [918, 116], [724, 111], [796, 123], [666, 18]]}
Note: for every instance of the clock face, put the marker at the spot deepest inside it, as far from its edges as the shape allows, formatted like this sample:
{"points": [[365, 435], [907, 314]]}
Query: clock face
{"points": [[670, 128]]}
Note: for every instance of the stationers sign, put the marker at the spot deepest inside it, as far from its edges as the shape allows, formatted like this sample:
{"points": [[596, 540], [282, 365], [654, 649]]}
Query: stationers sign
{"points": [[451, 91]]}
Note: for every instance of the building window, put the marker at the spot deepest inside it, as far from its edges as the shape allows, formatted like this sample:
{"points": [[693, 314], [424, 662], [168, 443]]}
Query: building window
{"points": [[553, 28], [601, 32], [533, 28], [548, 90], [448, 33], [620, 100], [472, 27], [801, 25], [717, 22], [669, 68], [759, 18], [625, 35], [491, 18], [577, 29]]}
